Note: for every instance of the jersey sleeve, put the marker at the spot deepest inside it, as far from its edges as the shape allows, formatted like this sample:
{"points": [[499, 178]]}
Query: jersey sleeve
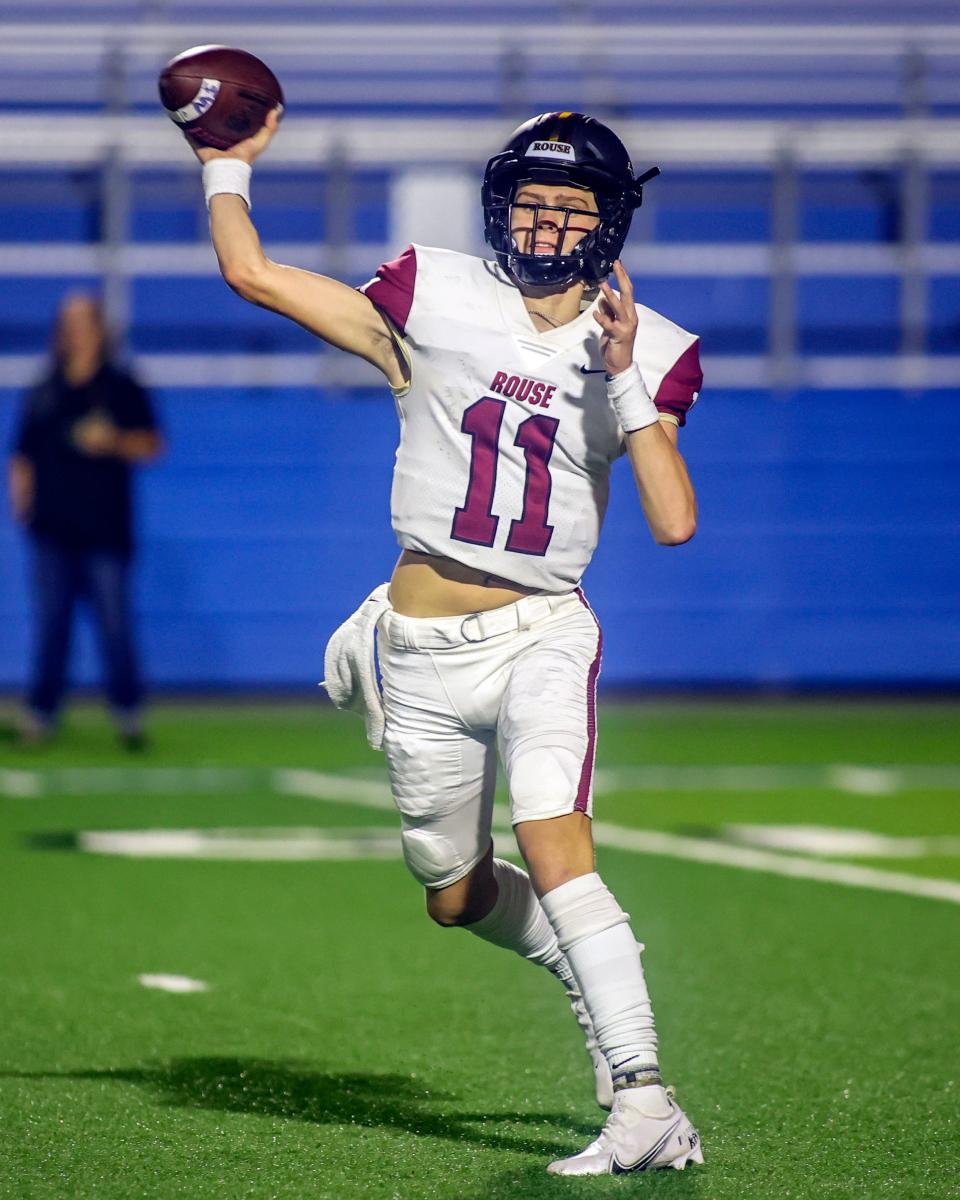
{"points": [[680, 387], [391, 289]]}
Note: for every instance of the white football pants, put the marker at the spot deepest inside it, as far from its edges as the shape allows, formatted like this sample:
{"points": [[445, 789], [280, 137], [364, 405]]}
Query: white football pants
{"points": [[520, 680]]}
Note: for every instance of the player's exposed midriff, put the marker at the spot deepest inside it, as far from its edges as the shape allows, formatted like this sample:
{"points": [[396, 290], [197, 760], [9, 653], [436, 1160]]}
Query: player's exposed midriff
{"points": [[425, 585]]}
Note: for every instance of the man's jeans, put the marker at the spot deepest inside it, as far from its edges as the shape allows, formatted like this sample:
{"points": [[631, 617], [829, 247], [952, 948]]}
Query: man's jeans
{"points": [[61, 576]]}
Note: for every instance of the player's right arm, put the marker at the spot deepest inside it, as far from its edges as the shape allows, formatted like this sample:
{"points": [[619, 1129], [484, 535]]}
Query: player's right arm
{"points": [[330, 309]]}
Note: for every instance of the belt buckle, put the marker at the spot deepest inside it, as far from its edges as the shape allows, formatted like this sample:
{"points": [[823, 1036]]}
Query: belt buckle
{"points": [[475, 617]]}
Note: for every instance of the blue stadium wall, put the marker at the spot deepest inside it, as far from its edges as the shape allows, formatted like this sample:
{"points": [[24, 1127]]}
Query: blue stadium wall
{"points": [[826, 554]]}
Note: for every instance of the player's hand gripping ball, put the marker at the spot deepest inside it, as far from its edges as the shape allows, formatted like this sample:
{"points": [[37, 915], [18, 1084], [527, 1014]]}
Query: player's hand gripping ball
{"points": [[218, 96]]}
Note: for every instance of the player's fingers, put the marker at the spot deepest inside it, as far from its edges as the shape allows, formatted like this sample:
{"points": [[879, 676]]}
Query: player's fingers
{"points": [[626, 310], [627, 306], [623, 280], [263, 135], [206, 153], [611, 299], [607, 310]]}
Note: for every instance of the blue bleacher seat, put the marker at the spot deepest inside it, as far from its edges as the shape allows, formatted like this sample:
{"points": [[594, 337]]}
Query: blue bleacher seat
{"points": [[848, 315]]}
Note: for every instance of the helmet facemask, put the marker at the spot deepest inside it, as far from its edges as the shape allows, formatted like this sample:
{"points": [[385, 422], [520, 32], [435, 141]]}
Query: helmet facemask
{"points": [[595, 160], [591, 259], [527, 221]]}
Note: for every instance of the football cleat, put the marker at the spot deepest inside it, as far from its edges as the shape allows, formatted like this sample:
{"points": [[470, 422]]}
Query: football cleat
{"points": [[602, 1079], [645, 1131]]}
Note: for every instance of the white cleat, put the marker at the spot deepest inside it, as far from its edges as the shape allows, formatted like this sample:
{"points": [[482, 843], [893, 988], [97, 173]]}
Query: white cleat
{"points": [[602, 1079], [645, 1131]]}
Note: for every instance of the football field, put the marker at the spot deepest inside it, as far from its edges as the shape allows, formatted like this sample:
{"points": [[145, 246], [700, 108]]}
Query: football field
{"points": [[219, 981]]}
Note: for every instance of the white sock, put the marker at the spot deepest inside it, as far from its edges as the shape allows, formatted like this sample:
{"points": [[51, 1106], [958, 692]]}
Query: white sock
{"points": [[594, 933], [517, 922]]}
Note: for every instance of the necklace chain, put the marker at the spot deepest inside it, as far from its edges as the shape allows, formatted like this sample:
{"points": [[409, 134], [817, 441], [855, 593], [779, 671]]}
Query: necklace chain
{"points": [[535, 312]]}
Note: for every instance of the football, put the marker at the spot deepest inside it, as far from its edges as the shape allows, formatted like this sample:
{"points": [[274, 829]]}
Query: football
{"points": [[218, 95]]}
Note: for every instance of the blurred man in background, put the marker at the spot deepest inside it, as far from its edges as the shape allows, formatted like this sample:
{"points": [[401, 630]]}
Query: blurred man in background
{"points": [[81, 429]]}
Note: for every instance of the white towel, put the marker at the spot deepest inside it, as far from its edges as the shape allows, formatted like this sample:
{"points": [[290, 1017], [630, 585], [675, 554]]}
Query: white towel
{"points": [[350, 665]]}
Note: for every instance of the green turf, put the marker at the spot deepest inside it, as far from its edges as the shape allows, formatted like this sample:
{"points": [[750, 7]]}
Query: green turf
{"points": [[348, 1047]]}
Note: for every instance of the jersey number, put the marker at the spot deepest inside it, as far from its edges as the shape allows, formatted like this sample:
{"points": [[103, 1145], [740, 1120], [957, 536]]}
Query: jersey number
{"points": [[475, 522]]}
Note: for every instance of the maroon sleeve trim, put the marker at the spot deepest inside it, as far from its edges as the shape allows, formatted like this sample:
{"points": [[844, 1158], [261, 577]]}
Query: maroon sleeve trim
{"points": [[391, 289], [682, 383]]}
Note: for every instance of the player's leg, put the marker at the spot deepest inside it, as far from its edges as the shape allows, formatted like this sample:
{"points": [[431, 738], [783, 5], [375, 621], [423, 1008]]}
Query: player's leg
{"points": [[547, 746], [595, 934], [515, 920], [443, 780], [442, 777]]}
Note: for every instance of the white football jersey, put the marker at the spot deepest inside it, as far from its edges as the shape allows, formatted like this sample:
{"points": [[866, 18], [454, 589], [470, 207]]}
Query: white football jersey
{"points": [[506, 434]]}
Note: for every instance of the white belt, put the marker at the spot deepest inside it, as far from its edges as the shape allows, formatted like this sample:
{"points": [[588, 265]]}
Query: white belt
{"points": [[438, 633]]}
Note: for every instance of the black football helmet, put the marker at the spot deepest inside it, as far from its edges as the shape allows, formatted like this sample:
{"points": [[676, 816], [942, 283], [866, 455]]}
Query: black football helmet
{"points": [[558, 148]]}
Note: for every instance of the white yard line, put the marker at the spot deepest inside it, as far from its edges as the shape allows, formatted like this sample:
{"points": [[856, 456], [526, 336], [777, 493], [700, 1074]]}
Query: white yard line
{"points": [[371, 793], [102, 781], [856, 779], [181, 984], [828, 841], [248, 845], [705, 850], [20, 785], [341, 789]]}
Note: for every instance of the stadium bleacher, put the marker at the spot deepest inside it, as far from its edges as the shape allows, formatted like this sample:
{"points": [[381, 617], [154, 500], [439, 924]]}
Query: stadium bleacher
{"points": [[806, 225]]}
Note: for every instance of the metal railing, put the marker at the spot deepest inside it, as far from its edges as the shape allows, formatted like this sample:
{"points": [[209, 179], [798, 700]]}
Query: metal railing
{"points": [[486, 68], [910, 149], [910, 71]]}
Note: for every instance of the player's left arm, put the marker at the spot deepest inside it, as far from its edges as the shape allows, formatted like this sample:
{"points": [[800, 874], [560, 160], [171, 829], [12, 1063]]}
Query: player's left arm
{"points": [[666, 493]]}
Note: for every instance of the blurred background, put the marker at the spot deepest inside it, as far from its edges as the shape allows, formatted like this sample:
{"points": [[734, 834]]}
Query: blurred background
{"points": [[807, 225]]}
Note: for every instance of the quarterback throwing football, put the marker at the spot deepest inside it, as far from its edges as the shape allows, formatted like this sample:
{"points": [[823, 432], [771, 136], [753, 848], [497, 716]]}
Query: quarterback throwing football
{"points": [[518, 383]]}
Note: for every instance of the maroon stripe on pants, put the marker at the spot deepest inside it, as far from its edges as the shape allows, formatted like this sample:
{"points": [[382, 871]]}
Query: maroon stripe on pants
{"points": [[586, 772]]}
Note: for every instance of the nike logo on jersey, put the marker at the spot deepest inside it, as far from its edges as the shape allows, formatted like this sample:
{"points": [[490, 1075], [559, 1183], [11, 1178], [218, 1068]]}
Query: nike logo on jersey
{"points": [[592, 371]]}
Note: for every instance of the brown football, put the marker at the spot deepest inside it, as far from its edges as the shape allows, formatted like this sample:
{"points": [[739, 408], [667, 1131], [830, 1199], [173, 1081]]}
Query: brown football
{"points": [[218, 95]]}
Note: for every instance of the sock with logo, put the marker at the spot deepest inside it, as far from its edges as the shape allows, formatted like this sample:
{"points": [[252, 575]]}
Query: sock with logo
{"points": [[594, 933]]}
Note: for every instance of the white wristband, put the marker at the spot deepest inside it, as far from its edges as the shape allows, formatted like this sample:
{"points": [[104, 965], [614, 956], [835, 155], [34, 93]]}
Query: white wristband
{"points": [[227, 176], [631, 400]]}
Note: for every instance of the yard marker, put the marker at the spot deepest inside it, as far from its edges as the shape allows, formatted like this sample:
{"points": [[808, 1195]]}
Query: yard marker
{"points": [[181, 984]]}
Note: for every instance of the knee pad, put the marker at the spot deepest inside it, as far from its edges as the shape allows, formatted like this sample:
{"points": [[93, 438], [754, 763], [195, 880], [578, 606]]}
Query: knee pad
{"points": [[544, 782], [580, 908], [436, 859]]}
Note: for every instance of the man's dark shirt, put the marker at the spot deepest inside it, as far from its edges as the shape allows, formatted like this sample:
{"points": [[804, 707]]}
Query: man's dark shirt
{"points": [[81, 501]]}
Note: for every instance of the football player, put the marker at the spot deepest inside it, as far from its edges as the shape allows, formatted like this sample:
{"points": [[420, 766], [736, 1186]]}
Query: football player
{"points": [[518, 382]]}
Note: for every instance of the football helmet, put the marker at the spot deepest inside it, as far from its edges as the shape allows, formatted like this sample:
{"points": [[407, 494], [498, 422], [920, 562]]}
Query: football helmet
{"points": [[563, 148]]}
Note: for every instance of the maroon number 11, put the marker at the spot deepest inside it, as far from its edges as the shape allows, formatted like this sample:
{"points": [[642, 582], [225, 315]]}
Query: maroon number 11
{"points": [[476, 522]]}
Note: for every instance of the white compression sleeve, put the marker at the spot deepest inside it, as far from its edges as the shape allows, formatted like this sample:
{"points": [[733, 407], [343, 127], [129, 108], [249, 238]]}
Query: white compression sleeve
{"points": [[517, 922], [594, 933]]}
